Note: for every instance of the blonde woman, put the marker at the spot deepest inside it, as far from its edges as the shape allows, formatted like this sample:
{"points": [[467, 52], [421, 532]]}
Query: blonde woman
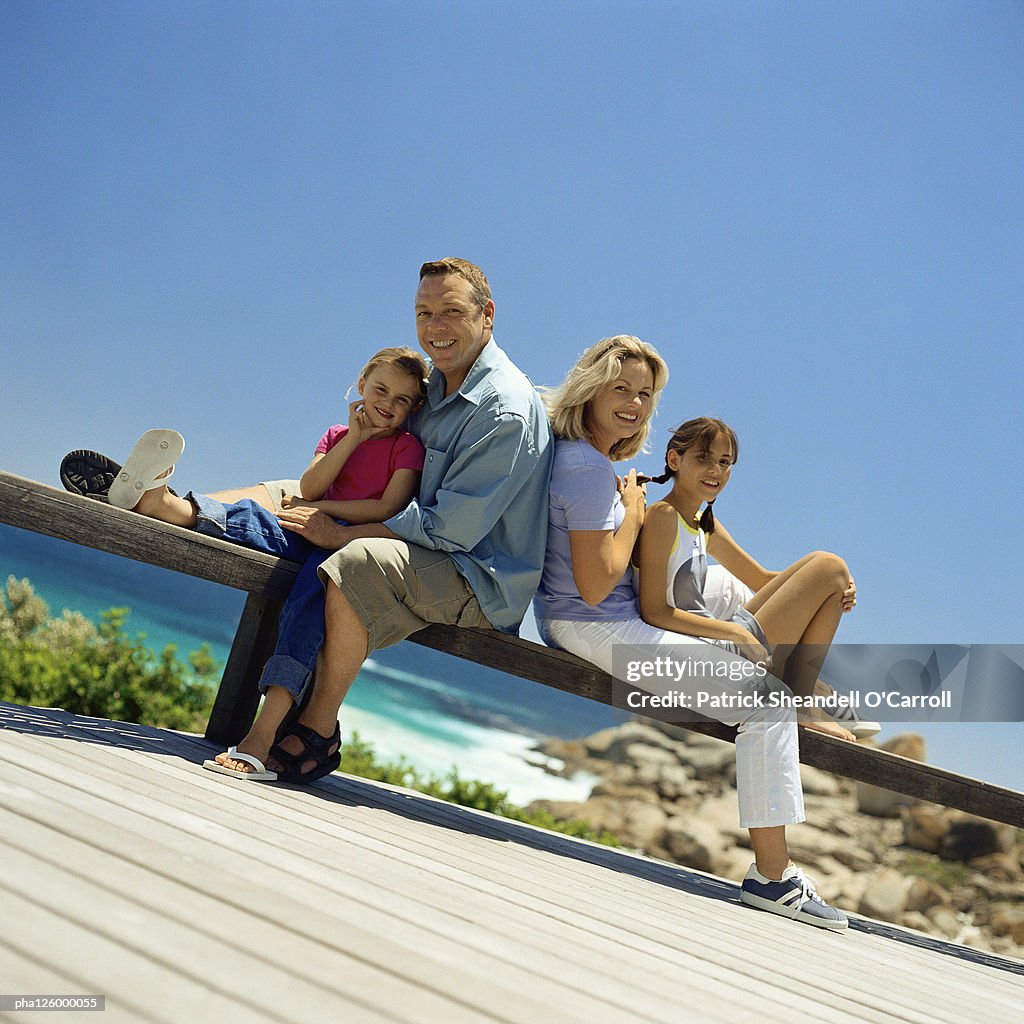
{"points": [[586, 602]]}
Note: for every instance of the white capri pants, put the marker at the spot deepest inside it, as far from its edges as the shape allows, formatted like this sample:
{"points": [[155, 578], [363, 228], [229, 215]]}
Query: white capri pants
{"points": [[767, 750]]}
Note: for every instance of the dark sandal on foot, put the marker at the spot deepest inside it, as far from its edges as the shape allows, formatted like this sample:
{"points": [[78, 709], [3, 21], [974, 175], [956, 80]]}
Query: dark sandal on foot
{"points": [[89, 473], [314, 748]]}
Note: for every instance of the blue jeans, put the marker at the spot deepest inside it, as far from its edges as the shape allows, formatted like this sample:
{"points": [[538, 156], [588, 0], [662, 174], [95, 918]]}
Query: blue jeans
{"points": [[301, 625], [300, 631], [251, 525]]}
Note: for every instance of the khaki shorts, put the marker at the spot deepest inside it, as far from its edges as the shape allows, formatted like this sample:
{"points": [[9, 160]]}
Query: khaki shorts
{"points": [[279, 488], [398, 588]]}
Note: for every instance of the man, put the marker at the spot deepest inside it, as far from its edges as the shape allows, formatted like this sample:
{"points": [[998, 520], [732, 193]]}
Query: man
{"points": [[468, 551]]}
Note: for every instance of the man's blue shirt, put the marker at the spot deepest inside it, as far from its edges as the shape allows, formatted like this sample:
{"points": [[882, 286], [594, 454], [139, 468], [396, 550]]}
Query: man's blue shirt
{"points": [[483, 497]]}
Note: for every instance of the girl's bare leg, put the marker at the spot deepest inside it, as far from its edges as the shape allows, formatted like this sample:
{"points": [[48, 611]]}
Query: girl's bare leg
{"points": [[160, 504], [799, 612], [771, 854]]}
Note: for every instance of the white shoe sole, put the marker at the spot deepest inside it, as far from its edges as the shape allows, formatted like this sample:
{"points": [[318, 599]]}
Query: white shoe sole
{"points": [[154, 453], [862, 730], [760, 903]]}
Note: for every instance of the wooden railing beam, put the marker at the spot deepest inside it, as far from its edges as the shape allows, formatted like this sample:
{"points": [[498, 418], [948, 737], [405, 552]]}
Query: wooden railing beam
{"points": [[56, 513]]}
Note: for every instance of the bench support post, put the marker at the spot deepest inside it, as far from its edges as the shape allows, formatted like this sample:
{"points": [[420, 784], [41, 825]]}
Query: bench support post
{"points": [[234, 710]]}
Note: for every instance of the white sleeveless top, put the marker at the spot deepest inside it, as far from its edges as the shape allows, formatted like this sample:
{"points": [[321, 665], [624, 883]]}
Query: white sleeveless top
{"points": [[687, 573]]}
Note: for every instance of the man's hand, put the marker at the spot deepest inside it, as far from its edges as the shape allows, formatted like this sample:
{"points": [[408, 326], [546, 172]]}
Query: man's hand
{"points": [[314, 526], [294, 501]]}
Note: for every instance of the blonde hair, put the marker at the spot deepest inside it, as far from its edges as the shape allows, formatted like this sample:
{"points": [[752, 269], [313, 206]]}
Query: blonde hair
{"points": [[593, 372], [401, 358]]}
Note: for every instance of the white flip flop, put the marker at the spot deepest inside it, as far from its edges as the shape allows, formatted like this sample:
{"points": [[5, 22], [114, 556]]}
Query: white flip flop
{"points": [[154, 453], [260, 775]]}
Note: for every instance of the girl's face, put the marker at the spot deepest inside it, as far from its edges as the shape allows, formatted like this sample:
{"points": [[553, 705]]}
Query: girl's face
{"points": [[389, 396], [702, 473], [622, 407]]}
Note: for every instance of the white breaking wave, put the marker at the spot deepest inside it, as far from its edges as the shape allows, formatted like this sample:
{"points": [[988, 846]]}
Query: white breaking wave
{"points": [[490, 755]]}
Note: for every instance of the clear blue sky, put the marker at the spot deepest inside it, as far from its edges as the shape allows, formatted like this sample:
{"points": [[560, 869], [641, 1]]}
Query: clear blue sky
{"points": [[212, 212]]}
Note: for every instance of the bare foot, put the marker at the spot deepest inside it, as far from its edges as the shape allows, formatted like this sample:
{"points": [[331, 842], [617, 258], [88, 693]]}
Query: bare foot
{"points": [[261, 753], [818, 721], [159, 503]]}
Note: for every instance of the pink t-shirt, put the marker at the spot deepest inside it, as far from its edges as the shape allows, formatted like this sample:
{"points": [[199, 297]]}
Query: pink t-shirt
{"points": [[368, 470]]}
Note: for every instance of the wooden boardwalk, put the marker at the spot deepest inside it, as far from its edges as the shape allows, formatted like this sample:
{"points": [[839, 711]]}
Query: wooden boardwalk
{"points": [[128, 871]]}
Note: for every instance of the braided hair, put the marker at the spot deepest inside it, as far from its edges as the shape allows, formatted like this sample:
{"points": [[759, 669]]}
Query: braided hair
{"points": [[700, 434]]}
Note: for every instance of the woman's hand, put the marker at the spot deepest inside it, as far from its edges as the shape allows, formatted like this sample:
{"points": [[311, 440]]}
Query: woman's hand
{"points": [[849, 597], [359, 427], [633, 494]]}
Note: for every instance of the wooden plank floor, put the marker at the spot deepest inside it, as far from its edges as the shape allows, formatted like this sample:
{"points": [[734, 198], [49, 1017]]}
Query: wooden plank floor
{"points": [[180, 895]]}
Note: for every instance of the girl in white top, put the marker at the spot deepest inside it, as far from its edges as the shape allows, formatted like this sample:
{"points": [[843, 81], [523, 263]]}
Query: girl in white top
{"points": [[790, 620], [600, 415]]}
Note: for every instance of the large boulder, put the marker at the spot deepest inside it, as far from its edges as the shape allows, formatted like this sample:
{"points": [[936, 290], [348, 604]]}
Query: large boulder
{"points": [[807, 842], [643, 825], [710, 761], [637, 823], [1009, 920], [674, 781], [969, 837], [885, 895], [614, 744], [694, 843], [885, 803], [999, 867], [922, 895], [924, 827], [570, 752], [906, 744], [946, 921], [818, 783]]}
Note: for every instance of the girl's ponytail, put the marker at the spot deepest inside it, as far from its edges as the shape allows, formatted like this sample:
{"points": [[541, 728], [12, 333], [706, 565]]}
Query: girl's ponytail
{"points": [[707, 520]]}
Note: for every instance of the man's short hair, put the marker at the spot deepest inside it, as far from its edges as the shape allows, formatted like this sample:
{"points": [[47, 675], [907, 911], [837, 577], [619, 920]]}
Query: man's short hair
{"points": [[460, 268]]}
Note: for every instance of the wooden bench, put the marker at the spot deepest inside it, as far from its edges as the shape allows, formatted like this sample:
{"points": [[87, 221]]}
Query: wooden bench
{"points": [[56, 513]]}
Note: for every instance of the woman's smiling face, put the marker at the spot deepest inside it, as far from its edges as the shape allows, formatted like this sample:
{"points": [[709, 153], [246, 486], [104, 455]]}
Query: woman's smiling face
{"points": [[622, 406]]}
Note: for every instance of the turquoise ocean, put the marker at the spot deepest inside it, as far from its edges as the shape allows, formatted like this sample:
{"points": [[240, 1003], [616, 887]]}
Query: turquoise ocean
{"points": [[436, 711]]}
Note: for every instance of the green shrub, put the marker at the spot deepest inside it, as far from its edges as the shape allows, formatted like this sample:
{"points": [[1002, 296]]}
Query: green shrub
{"points": [[98, 671], [947, 874]]}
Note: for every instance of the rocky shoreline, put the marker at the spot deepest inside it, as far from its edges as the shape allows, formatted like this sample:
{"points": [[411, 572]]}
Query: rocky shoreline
{"points": [[670, 793]]}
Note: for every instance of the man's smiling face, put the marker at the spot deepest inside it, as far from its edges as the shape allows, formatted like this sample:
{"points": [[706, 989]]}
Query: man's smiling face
{"points": [[451, 326]]}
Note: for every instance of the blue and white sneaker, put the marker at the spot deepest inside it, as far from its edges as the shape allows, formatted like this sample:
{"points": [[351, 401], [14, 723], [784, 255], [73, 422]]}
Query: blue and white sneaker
{"points": [[849, 719], [793, 896]]}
